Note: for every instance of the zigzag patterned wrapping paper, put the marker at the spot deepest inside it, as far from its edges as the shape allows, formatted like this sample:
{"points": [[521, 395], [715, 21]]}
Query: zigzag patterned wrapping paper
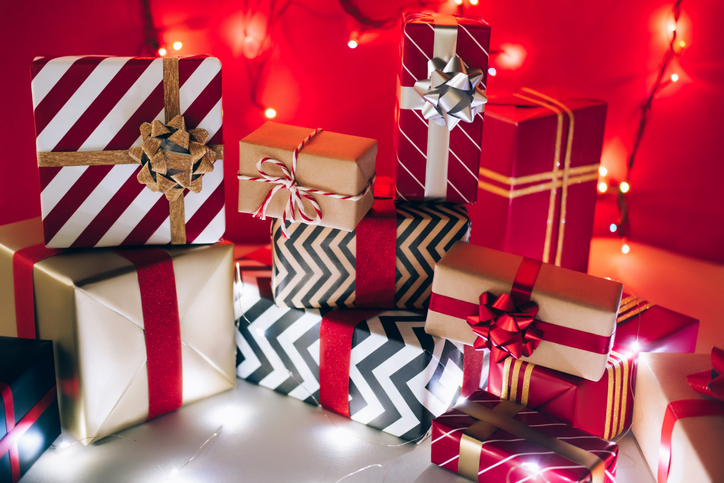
{"points": [[97, 103], [400, 378], [316, 267]]}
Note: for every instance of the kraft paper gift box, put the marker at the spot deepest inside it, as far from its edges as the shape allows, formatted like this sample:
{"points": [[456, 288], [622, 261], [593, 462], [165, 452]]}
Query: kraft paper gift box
{"points": [[538, 176], [440, 102], [387, 262], [137, 332], [488, 439], [603, 407], [334, 171], [118, 166], [533, 311], [378, 368], [29, 419], [674, 422]]}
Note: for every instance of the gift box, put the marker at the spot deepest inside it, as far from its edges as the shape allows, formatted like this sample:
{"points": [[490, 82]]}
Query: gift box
{"points": [[129, 150], [603, 407], [299, 174], [440, 102], [486, 438], [538, 176], [378, 368], [522, 308], [387, 262], [680, 431], [137, 332], [29, 419]]}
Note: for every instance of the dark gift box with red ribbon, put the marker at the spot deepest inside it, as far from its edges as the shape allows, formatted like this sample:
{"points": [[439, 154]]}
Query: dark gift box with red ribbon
{"points": [[138, 331], [485, 438], [376, 367], [29, 418], [387, 262], [678, 416], [538, 176], [440, 102], [525, 309], [603, 407]]}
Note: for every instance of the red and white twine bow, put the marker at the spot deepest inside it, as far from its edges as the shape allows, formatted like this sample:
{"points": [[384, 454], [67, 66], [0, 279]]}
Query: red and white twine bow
{"points": [[297, 193]]}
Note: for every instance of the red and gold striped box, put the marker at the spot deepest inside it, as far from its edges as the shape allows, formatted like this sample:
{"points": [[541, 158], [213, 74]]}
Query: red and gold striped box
{"points": [[97, 191]]}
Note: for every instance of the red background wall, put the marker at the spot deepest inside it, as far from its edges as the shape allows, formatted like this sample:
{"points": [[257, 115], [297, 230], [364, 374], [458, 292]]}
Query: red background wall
{"points": [[606, 50]]}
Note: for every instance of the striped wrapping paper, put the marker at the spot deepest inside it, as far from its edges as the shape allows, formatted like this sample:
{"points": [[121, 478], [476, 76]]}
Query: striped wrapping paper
{"points": [[97, 103]]}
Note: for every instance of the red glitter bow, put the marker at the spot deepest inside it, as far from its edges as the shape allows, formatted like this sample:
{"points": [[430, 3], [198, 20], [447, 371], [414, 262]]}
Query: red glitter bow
{"points": [[710, 383], [504, 327]]}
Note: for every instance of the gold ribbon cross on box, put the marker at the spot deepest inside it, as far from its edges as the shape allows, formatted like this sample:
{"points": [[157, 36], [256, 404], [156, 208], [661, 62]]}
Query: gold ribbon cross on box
{"points": [[173, 158]]}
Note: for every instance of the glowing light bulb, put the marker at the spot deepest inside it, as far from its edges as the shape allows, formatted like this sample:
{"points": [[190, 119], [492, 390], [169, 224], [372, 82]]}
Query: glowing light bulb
{"points": [[624, 187], [672, 27], [613, 227], [458, 2], [602, 187], [270, 113], [248, 39], [352, 44], [674, 77], [173, 474], [534, 468], [625, 248], [492, 72], [682, 44], [602, 171], [473, 2], [635, 346], [162, 52], [177, 45]]}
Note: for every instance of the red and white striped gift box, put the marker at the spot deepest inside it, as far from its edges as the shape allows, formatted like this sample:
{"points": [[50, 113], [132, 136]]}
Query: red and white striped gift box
{"points": [[428, 169], [98, 103]]}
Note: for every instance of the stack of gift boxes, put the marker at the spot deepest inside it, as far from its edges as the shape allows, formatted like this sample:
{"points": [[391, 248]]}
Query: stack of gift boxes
{"points": [[371, 301]]}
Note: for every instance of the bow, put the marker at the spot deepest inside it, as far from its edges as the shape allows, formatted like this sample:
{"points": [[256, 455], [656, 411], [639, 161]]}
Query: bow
{"points": [[451, 93], [172, 158], [504, 327], [710, 383]]}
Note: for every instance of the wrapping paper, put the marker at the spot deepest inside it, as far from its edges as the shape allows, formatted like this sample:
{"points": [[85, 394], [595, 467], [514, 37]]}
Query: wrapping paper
{"points": [[29, 418], [434, 162], [387, 262], [399, 377], [696, 442], [581, 307], [603, 407], [537, 192], [91, 305], [91, 104], [479, 448], [330, 162]]}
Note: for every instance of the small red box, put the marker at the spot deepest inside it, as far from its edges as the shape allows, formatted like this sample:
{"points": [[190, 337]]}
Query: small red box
{"points": [[603, 407], [539, 168], [489, 439]]}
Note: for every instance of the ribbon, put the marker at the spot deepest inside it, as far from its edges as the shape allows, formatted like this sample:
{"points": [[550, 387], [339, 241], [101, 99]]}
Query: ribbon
{"points": [[9, 442], [710, 383], [172, 158], [23, 262], [161, 328], [335, 350], [376, 256], [297, 193], [501, 417], [451, 93]]}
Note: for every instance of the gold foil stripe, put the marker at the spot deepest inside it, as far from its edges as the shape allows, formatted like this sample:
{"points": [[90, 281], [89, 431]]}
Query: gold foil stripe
{"points": [[514, 381], [526, 383], [609, 401], [546, 176], [624, 392], [506, 423], [97, 158], [515, 193], [633, 313], [616, 398], [628, 300], [506, 374]]}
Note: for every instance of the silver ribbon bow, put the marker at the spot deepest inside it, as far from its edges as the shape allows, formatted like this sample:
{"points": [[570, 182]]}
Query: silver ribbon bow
{"points": [[451, 93]]}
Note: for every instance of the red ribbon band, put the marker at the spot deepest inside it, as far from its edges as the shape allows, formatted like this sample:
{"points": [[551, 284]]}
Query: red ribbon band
{"points": [[9, 442], [376, 256]]}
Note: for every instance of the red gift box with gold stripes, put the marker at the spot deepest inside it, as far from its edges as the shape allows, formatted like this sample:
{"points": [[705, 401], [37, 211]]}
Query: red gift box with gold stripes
{"points": [[538, 173], [602, 407], [440, 102], [130, 150], [485, 438]]}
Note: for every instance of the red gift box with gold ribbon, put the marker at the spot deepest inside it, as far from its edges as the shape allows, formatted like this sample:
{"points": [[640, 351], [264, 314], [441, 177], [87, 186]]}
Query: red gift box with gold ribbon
{"points": [[486, 438], [538, 173], [602, 407]]}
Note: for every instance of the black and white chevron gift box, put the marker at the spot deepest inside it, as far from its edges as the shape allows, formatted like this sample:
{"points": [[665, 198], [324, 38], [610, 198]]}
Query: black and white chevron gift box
{"points": [[400, 378]]}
